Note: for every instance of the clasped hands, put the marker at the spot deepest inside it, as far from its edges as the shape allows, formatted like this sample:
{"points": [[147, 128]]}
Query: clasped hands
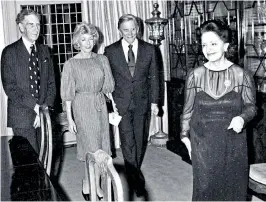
{"points": [[37, 121]]}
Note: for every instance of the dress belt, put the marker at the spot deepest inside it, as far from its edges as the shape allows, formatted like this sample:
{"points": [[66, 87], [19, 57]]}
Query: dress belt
{"points": [[99, 99]]}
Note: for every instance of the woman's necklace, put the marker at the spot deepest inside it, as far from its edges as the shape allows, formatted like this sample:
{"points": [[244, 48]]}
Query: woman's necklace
{"points": [[227, 83]]}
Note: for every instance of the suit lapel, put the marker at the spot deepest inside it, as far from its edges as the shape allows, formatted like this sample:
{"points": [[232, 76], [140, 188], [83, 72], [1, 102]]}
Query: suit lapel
{"points": [[139, 56], [40, 57], [123, 63], [41, 61], [23, 59]]}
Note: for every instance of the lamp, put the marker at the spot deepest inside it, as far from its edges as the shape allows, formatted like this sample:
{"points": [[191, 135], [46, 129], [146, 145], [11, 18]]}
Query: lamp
{"points": [[156, 34], [156, 26]]}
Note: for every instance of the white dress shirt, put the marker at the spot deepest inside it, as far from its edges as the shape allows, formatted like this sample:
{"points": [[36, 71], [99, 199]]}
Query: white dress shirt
{"points": [[28, 44], [134, 48]]}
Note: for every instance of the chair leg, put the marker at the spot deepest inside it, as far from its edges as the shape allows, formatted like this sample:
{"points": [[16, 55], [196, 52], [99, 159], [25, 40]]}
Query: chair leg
{"points": [[92, 182]]}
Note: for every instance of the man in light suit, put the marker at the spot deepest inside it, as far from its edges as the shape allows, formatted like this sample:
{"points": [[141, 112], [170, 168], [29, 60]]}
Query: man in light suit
{"points": [[134, 67], [28, 79]]}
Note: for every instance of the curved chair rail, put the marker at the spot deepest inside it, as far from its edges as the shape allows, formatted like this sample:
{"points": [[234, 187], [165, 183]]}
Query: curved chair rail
{"points": [[110, 178], [257, 179], [46, 149]]}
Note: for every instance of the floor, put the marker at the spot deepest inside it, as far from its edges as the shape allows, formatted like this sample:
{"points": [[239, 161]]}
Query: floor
{"points": [[168, 178]]}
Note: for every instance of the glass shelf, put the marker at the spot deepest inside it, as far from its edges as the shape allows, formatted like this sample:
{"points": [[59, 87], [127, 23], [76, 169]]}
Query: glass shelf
{"points": [[256, 57]]}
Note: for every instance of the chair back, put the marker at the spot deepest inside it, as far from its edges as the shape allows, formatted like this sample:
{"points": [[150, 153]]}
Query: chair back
{"points": [[46, 149], [111, 182], [257, 178]]}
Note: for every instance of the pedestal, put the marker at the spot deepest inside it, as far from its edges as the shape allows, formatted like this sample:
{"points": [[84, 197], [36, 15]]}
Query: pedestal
{"points": [[160, 138]]}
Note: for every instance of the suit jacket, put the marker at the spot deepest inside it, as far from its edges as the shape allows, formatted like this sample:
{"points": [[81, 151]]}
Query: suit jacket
{"points": [[15, 79], [143, 87]]}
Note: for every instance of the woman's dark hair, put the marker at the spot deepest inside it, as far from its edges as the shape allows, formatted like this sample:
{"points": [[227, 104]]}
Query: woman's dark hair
{"points": [[218, 27], [225, 33]]}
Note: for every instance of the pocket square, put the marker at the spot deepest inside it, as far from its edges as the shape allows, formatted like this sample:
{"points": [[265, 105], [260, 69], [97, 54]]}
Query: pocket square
{"points": [[114, 118]]}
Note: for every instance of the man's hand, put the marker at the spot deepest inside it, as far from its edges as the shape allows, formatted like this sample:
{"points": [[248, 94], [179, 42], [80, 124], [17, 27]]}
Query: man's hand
{"points": [[154, 109], [37, 122], [37, 109], [237, 124], [44, 106]]}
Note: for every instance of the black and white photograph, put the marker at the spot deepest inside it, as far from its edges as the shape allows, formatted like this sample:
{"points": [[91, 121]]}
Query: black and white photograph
{"points": [[133, 100]]}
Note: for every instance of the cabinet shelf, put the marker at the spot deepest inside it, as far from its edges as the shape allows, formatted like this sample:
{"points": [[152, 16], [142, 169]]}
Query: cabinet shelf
{"points": [[258, 25], [256, 57]]}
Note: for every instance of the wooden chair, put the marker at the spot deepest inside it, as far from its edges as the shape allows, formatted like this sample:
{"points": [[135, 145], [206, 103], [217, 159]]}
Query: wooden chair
{"points": [[109, 176], [257, 178], [46, 149]]}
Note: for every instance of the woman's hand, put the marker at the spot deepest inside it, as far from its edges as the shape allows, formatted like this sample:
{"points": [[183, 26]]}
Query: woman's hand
{"points": [[187, 142], [114, 107], [110, 96], [72, 126], [237, 124]]}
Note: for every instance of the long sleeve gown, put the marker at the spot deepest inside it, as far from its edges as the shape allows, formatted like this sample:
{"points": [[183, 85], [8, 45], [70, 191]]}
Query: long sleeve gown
{"points": [[84, 82], [219, 156]]}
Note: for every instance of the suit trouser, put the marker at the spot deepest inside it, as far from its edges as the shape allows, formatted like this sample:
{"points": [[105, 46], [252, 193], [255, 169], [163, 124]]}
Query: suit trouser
{"points": [[32, 135], [133, 130]]}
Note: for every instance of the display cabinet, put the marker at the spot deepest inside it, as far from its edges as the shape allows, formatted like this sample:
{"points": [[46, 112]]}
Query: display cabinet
{"points": [[185, 18], [254, 37], [254, 34]]}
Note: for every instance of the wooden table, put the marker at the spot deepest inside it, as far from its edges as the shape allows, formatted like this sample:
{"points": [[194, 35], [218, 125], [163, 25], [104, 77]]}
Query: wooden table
{"points": [[22, 175]]}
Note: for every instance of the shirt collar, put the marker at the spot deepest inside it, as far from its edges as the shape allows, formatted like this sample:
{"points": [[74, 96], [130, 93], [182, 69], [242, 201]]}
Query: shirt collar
{"points": [[125, 43], [28, 44]]}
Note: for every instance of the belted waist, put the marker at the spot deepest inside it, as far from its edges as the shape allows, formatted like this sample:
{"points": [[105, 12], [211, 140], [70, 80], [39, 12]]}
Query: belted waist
{"points": [[98, 97]]}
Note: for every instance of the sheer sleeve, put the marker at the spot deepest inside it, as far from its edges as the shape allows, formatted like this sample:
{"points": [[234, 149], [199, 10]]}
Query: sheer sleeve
{"points": [[248, 96], [67, 83], [190, 93], [108, 85]]}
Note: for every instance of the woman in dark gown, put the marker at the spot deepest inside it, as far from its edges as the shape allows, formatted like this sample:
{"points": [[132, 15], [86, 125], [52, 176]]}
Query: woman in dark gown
{"points": [[219, 101]]}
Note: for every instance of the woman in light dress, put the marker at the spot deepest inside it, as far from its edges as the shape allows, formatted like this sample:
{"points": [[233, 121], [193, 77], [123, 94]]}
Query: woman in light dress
{"points": [[85, 79]]}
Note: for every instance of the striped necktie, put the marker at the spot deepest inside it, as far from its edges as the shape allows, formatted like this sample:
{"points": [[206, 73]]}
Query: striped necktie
{"points": [[131, 60]]}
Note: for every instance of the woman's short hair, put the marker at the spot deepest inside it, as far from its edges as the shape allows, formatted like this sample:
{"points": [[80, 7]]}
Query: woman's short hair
{"points": [[26, 12], [218, 27], [127, 17], [84, 28]]}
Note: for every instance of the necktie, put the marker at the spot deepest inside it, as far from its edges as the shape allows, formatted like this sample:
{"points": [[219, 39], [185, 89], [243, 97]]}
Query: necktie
{"points": [[34, 73], [131, 60]]}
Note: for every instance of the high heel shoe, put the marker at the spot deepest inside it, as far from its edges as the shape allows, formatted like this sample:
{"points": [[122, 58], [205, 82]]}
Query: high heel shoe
{"points": [[86, 196], [100, 198]]}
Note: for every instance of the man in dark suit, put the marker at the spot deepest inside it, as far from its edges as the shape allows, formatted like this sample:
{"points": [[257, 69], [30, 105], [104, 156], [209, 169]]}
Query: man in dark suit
{"points": [[28, 79], [134, 67]]}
